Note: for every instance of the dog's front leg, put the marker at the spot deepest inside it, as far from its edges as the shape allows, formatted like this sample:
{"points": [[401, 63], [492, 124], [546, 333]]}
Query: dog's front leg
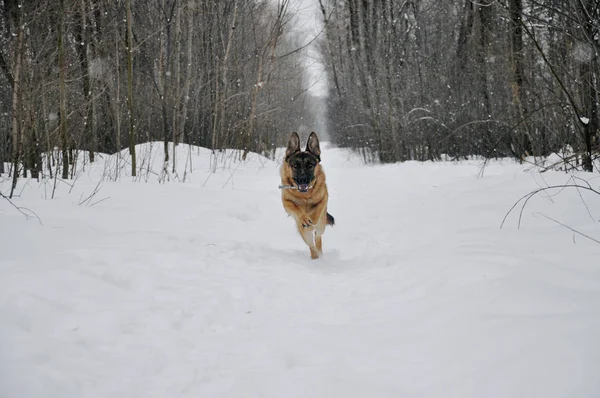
{"points": [[299, 214], [309, 238], [320, 215], [304, 225]]}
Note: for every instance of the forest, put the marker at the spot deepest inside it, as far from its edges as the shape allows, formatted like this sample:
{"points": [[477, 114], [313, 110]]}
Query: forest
{"points": [[422, 79], [406, 79]]}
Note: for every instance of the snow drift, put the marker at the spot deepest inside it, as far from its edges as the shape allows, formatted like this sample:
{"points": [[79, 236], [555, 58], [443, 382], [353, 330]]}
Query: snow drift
{"points": [[204, 289]]}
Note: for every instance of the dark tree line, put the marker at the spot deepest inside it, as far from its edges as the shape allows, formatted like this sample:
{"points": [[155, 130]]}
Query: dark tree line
{"points": [[104, 75], [417, 79], [408, 79]]}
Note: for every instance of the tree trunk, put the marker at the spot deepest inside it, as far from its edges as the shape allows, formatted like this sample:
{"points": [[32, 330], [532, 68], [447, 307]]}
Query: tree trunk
{"points": [[589, 93], [177, 83], [62, 92], [253, 104], [16, 107], [165, 84], [130, 108], [82, 51], [590, 110], [215, 130], [188, 69], [224, 76], [336, 82], [116, 103], [518, 95], [49, 148]]}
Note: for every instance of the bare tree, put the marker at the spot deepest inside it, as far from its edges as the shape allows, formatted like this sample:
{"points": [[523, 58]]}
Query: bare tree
{"points": [[216, 74], [420, 79], [62, 89], [16, 16], [130, 107]]}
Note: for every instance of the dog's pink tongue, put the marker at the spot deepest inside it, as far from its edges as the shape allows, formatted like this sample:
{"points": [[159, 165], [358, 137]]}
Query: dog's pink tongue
{"points": [[303, 187]]}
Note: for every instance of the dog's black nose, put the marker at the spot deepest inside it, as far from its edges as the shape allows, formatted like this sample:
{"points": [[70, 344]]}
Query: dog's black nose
{"points": [[303, 179]]}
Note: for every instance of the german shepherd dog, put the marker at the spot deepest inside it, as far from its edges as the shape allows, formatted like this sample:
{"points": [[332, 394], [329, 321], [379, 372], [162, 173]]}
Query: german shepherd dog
{"points": [[304, 192]]}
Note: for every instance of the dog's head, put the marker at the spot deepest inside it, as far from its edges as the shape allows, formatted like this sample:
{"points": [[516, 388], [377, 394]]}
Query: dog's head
{"points": [[303, 164]]}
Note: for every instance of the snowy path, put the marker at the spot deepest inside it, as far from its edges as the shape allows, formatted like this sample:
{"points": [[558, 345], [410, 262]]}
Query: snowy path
{"points": [[180, 290]]}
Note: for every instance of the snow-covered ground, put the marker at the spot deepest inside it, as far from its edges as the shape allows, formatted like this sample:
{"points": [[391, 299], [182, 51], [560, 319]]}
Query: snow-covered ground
{"points": [[204, 288]]}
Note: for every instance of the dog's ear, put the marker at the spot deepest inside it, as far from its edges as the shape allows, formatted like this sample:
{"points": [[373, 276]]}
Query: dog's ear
{"points": [[293, 145], [312, 145]]}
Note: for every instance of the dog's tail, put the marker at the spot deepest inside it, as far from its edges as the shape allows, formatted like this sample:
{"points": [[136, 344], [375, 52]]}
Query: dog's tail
{"points": [[330, 220]]}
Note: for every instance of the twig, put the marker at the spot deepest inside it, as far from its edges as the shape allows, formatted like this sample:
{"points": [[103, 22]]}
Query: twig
{"points": [[569, 228], [581, 196], [99, 201], [533, 193], [88, 199], [565, 161], [545, 184], [231, 175], [22, 209]]}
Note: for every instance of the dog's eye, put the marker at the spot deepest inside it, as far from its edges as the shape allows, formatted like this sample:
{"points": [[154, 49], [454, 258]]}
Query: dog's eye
{"points": [[296, 165], [310, 166]]}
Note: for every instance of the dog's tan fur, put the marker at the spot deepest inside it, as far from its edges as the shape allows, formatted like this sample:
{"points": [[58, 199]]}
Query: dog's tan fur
{"points": [[309, 209]]}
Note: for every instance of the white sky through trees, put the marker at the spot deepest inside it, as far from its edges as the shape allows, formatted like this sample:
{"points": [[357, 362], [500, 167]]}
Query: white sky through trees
{"points": [[307, 24]]}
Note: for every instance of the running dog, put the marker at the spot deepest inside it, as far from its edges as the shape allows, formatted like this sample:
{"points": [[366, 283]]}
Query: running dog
{"points": [[304, 191]]}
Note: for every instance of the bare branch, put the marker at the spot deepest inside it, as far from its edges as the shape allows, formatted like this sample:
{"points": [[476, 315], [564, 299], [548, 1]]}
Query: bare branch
{"points": [[28, 213], [526, 198]]}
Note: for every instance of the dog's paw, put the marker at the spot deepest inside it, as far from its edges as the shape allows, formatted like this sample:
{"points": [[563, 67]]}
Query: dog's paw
{"points": [[306, 222]]}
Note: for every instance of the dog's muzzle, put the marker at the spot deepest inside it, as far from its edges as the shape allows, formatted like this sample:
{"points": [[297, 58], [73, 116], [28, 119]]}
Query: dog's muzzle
{"points": [[303, 184], [303, 187]]}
